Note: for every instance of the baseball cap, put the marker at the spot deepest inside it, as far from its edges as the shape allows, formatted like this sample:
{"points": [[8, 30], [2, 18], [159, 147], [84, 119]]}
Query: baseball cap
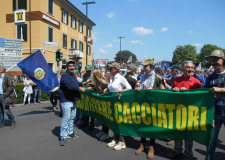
{"points": [[88, 67], [76, 72], [148, 61], [131, 67], [176, 66], [115, 65]]}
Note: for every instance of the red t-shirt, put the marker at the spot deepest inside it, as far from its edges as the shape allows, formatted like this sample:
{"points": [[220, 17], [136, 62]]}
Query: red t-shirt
{"points": [[191, 83]]}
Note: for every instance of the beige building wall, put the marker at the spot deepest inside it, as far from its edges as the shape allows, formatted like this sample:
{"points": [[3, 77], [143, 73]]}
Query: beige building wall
{"points": [[39, 30]]}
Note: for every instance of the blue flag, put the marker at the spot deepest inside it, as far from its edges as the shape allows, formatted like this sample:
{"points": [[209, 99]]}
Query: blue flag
{"points": [[37, 69]]}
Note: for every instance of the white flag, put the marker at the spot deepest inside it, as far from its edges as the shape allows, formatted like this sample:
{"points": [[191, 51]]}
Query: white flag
{"points": [[130, 59], [199, 66]]}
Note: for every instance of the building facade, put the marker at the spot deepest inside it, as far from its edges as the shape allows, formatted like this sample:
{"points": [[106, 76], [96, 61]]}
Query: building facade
{"points": [[48, 25]]}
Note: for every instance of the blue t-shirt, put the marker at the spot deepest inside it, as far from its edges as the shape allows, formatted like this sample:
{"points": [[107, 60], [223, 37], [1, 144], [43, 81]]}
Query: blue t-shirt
{"points": [[217, 80]]}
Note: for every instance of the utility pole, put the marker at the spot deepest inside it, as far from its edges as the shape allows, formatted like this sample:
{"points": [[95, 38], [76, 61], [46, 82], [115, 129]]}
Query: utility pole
{"points": [[87, 3], [120, 44], [30, 22]]}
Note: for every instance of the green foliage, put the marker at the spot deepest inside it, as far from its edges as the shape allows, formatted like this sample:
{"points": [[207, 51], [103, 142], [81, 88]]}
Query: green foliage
{"points": [[20, 94], [123, 56], [186, 52]]}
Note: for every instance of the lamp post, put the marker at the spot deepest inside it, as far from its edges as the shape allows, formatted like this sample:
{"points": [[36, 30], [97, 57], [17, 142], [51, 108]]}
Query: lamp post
{"points": [[120, 43], [87, 3]]}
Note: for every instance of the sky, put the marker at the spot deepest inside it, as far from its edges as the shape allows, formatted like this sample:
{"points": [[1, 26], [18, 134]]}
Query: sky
{"points": [[153, 28]]}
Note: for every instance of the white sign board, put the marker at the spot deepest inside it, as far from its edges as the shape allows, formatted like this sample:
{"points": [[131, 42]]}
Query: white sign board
{"points": [[56, 44], [10, 53]]}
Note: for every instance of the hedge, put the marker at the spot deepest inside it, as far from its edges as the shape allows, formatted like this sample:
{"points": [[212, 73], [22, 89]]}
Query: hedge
{"points": [[20, 94]]}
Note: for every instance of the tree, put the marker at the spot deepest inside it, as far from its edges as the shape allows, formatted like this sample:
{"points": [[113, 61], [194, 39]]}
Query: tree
{"points": [[205, 52], [123, 56], [186, 52]]}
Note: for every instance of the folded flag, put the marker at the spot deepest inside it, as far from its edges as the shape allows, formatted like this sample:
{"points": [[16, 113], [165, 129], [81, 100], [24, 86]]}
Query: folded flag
{"points": [[37, 69]]}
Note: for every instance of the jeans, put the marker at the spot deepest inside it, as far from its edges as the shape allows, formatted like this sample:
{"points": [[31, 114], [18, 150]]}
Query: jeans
{"points": [[7, 110], [105, 129], [37, 95], [219, 120], [1, 110], [54, 99], [9, 114], [69, 112], [188, 147]]}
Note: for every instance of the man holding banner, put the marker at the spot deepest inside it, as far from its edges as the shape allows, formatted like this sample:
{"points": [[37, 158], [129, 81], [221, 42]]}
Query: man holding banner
{"points": [[149, 80], [216, 82], [181, 84]]}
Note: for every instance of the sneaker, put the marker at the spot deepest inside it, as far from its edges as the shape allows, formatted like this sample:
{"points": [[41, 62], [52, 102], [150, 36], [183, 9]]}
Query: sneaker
{"points": [[171, 142], [62, 142], [111, 144], [99, 134], [104, 137], [73, 135], [13, 125], [54, 109], [119, 146]]}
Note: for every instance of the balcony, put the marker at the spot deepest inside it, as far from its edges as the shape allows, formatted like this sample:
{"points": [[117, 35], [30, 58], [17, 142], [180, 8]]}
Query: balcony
{"points": [[75, 53]]}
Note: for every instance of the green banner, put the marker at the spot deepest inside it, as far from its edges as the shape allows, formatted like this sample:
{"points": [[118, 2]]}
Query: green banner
{"points": [[160, 114]]}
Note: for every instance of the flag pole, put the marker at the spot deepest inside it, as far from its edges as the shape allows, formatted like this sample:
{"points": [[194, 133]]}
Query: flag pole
{"points": [[11, 67]]}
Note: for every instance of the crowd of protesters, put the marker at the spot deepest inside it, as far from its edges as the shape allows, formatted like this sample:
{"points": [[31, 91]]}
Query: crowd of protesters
{"points": [[178, 78]]}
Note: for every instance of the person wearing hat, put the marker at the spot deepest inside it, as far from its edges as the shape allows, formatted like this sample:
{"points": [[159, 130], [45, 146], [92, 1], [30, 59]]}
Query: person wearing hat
{"points": [[118, 83], [129, 76], [7, 96], [175, 72], [216, 81], [149, 80]]}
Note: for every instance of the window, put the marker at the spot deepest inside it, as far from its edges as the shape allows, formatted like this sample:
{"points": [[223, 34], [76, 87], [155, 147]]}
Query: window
{"points": [[64, 41], [73, 22], [50, 34], [81, 46], [22, 32], [50, 6], [80, 27], [89, 32], [64, 16], [19, 4], [50, 65], [73, 44]]}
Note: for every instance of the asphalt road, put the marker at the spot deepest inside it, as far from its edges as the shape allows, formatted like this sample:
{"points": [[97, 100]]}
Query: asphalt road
{"points": [[36, 138]]}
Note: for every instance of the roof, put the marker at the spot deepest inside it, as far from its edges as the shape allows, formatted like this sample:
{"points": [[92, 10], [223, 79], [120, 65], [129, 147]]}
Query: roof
{"points": [[67, 2]]}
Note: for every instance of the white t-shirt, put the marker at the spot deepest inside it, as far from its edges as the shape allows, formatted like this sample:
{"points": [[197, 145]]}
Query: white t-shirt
{"points": [[118, 82]]}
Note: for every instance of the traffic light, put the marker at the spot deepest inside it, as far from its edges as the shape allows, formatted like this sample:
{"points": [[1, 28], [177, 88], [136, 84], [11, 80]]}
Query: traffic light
{"points": [[59, 55]]}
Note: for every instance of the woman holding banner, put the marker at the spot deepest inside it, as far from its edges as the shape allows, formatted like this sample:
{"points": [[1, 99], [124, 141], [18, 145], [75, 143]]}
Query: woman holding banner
{"points": [[100, 83], [117, 84]]}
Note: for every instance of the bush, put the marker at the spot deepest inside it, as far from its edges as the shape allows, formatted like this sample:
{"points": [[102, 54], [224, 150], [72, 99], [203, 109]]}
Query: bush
{"points": [[20, 94]]}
